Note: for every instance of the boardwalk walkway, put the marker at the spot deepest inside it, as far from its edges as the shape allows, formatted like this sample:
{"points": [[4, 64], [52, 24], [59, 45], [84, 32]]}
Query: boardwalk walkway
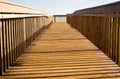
{"points": [[63, 53]]}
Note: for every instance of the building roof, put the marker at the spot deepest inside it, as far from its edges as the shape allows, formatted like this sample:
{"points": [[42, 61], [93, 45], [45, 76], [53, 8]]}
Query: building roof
{"points": [[10, 7]]}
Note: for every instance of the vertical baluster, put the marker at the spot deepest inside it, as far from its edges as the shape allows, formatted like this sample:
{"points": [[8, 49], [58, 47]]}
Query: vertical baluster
{"points": [[118, 47], [10, 43], [7, 43], [4, 45], [1, 50], [24, 33]]}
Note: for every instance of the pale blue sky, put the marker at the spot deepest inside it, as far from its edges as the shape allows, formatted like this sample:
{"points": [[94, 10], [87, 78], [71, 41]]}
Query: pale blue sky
{"points": [[62, 6]]}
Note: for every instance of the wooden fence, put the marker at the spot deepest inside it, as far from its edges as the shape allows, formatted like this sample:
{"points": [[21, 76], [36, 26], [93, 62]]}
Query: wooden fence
{"points": [[101, 25]]}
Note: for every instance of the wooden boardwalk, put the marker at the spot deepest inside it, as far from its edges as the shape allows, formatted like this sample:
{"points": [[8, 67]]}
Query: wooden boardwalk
{"points": [[63, 53]]}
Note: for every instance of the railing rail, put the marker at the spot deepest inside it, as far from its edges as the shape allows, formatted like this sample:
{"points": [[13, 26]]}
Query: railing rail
{"points": [[101, 25]]}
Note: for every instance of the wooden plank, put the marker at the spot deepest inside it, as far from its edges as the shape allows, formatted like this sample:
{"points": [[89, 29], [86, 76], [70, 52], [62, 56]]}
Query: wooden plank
{"points": [[66, 60]]}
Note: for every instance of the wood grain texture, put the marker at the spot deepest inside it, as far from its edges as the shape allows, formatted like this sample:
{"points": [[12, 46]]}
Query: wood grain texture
{"points": [[63, 53], [102, 31]]}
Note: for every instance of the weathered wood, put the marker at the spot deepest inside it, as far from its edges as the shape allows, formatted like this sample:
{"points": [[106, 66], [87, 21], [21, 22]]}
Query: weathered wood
{"points": [[63, 53]]}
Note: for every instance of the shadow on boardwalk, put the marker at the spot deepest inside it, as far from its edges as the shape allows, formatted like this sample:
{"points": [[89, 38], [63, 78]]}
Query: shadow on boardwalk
{"points": [[63, 53]]}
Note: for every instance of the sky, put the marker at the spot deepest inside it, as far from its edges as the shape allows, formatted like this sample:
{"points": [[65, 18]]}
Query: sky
{"points": [[62, 6]]}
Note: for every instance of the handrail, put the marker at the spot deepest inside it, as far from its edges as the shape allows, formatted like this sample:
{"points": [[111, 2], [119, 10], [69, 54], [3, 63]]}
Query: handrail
{"points": [[101, 25], [8, 16]]}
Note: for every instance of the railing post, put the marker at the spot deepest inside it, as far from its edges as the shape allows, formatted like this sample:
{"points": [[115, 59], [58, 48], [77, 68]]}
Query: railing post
{"points": [[7, 43], [1, 50], [4, 45], [35, 28], [119, 41], [24, 33], [10, 40]]}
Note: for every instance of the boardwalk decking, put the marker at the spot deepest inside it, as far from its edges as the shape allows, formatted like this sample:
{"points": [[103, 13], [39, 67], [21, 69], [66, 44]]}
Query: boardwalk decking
{"points": [[63, 53]]}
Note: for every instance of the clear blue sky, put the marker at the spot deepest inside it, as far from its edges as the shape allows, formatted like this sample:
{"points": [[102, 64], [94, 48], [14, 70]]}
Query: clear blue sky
{"points": [[62, 6]]}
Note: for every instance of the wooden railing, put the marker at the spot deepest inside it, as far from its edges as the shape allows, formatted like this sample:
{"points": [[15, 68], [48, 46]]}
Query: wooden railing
{"points": [[101, 25], [17, 31]]}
